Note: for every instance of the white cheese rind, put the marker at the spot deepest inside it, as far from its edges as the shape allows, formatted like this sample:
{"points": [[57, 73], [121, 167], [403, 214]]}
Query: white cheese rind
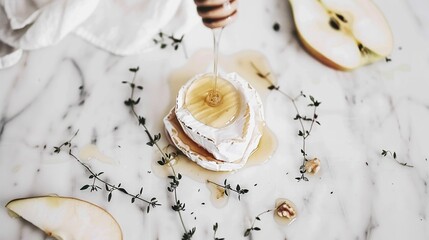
{"points": [[206, 162], [202, 161], [235, 142]]}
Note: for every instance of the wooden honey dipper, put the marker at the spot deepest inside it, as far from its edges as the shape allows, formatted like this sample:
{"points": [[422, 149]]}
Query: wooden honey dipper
{"points": [[216, 13]]}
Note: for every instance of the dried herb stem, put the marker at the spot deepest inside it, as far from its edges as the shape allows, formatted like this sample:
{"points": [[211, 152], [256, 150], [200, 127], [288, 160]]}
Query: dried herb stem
{"points": [[152, 203], [166, 158], [303, 132], [393, 154], [257, 218], [163, 38], [67, 143], [227, 187], [215, 227]]}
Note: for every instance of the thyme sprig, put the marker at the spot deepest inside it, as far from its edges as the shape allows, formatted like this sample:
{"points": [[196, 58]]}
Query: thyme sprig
{"points": [[253, 228], [164, 40], [215, 227], [227, 188], [384, 153], [166, 157], [304, 132], [96, 179], [65, 144]]}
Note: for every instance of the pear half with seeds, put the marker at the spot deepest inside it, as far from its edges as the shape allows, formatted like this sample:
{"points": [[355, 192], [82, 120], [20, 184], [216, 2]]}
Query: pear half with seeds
{"points": [[343, 34], [67, 218]]}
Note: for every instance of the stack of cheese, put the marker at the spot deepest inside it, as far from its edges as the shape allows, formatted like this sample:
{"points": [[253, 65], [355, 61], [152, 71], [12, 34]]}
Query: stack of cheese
{"points": [[217, 146]]}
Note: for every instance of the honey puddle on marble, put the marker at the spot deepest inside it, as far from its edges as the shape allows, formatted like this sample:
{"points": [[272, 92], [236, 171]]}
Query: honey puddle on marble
{"points": [[91, 152], [244, 64]]}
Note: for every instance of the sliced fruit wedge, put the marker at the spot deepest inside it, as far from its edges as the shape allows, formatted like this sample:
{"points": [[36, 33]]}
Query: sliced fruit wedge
{"points": [[343, 34], [67, 218]]}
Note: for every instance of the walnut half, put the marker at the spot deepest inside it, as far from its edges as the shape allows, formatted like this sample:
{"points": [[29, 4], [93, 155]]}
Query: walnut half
{"points": [[286, 210], [312, 166]]}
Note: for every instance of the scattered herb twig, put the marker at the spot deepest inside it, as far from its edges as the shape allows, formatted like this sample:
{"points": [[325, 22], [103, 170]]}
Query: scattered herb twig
{"points": [[164, 40], [66, 144], [227, 187], [215, 227], [110, 188], [393, 154], [304, 132], [253, 228], [166, 158]]}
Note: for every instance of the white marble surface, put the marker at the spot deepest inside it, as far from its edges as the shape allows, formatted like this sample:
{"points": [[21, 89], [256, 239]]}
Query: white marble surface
{"points": [[381, 106]]}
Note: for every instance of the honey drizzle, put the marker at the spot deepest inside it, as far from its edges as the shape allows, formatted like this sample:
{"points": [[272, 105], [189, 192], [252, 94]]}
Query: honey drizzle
{"points": [[221, 115], [214, 97]]}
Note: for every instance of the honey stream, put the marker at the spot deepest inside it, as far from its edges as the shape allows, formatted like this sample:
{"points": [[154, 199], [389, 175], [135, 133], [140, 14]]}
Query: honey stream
{"points": [[214, 97]]}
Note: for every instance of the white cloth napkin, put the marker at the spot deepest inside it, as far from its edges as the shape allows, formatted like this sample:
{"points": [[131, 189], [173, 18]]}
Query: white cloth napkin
{"points": [[123, 27]]}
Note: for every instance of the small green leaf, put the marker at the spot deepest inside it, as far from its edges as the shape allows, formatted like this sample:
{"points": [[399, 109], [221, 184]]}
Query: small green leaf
{"points": [[215, 226], [136, 69], [123, 190]]}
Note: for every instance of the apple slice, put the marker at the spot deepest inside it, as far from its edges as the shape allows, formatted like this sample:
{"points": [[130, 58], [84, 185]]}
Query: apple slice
{"points": [[343, 34], [67, 218]]}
